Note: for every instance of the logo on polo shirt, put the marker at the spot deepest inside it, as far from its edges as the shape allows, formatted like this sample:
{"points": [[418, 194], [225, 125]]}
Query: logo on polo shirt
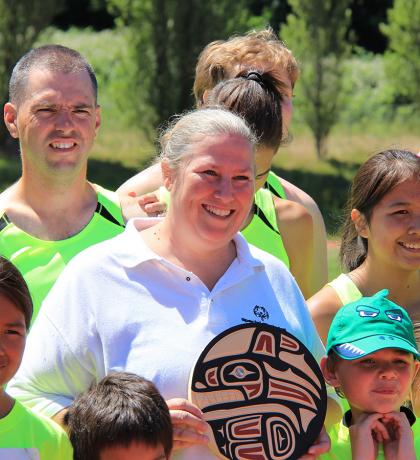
{"points": [[261, 313]]}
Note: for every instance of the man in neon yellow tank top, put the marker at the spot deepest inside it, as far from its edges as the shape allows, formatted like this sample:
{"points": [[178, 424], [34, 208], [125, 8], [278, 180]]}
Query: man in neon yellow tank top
{"points": [[52, 212]]}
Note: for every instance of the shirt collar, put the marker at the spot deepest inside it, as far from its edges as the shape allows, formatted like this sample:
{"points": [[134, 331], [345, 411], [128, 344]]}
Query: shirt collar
{"points": [[131, 250]]}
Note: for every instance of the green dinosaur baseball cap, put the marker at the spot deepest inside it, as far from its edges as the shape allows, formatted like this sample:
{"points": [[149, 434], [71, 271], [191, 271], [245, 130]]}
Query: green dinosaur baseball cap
{"points": [[371, 324]]}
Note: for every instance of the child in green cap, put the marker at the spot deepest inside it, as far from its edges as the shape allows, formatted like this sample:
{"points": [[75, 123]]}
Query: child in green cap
{"points": [[372, 361]]}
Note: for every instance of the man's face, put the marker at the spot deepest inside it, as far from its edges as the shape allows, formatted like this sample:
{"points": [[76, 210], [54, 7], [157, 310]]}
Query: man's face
{"points": [[56, 122]]}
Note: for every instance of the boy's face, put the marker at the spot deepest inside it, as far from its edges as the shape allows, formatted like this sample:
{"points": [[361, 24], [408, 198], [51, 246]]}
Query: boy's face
{"points": [[379, 382], [135, 451], [12, 339]]}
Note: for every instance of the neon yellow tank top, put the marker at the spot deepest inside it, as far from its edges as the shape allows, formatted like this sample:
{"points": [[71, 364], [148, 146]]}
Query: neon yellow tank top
{"points": [[346, 290], [263, 230], [41, 261]]}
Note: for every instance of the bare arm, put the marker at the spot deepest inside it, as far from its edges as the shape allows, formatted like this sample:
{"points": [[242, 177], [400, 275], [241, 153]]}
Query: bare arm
{"points": [[143, 183], [59, 418], [323, 306], [320, 266], [296, 228]]}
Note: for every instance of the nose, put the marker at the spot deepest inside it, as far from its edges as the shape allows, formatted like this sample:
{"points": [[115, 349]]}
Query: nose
{"points": [[387, 371], [415, 225], [224, 189], [63, 121]]}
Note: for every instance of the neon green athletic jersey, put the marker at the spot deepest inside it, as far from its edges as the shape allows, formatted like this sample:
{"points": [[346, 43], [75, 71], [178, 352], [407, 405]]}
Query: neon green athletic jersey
{"points": [[26, 430], [274, 185], [41, 261], [263, 230], [341, 446]]}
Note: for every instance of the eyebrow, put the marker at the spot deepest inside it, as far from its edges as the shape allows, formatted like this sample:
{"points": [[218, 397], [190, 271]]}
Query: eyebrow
{"points": [[394, 204], [46, 103], [16, 324]]}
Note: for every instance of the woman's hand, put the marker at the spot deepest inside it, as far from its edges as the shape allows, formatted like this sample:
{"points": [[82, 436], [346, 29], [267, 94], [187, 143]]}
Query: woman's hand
{"points": [[189, 427], [320, 446], [400, 445]]}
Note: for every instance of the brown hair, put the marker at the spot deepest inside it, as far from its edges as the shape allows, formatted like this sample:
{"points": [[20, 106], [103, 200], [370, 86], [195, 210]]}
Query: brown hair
{"points": [[374, 179], [55, 58], [14, 287], [255, 98], [122, 408], [260, 50]]}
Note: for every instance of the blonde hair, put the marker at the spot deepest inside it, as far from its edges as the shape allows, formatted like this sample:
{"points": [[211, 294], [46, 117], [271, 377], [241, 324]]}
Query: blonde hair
{"points": [[257, 50]]}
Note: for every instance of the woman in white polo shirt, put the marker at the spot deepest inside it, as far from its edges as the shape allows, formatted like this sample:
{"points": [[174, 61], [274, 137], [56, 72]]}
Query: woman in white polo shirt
{"points": [[149, 301]]}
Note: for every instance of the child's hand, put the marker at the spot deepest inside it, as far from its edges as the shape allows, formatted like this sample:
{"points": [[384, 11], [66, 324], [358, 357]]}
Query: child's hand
{"points": [[189, 427], [400, 445], [321, 446], [365, 435]]}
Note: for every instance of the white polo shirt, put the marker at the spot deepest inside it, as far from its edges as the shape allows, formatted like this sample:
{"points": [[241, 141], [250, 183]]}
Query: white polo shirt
{"points": [[118, 306]]}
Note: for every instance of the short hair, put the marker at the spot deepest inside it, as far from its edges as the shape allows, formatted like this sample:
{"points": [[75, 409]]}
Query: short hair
{"points": [[374, 179], [187, 129], [331, 363], [121, 409], [258, 50], [255, 98], [14, 287], [55, 58]]}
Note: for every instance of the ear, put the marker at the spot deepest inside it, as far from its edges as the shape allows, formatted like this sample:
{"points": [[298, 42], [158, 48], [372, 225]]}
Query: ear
{"points": [[167, 175], [204, 98], [416, 368], [97, 118], [360, 223], [329, 375], [10, 119]]}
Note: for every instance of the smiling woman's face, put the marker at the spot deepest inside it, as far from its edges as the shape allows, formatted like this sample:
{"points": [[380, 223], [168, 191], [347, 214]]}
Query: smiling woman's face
{"points": [[212, 191]]}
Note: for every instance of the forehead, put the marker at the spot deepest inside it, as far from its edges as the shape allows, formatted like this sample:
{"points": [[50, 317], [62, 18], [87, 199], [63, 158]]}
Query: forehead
{"points": [[406, 192], [389, 353], [222, 150], [133, 450], [58, 86], [9, 312]]}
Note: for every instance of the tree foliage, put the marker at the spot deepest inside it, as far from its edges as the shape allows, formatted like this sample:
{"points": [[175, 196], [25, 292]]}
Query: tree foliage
{"points": [[166, 38], [317, 33], [403, 56], [20, 23]]}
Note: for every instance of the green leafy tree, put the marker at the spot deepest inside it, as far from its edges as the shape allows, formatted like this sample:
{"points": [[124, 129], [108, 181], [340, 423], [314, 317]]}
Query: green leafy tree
{"points": [[402, 60], [317, 32], [20, 23], [166, 38]]}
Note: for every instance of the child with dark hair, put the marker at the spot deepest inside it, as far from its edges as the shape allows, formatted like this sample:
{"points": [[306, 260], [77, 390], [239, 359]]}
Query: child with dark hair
{"points": [[23, 434], [372, 360], [121, 417], [380, 246]]}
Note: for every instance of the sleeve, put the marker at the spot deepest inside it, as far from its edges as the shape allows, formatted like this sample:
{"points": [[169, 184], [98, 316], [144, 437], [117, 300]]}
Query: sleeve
{"points": [[63, 353]]}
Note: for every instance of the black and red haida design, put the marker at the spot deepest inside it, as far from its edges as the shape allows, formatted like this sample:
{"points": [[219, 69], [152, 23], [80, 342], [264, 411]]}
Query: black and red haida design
{"points": [[262, 393]]}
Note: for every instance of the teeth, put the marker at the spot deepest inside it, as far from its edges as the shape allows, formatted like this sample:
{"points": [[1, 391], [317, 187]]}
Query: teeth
{"points": [[62, 145], [218, 211], [411, 245]]}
